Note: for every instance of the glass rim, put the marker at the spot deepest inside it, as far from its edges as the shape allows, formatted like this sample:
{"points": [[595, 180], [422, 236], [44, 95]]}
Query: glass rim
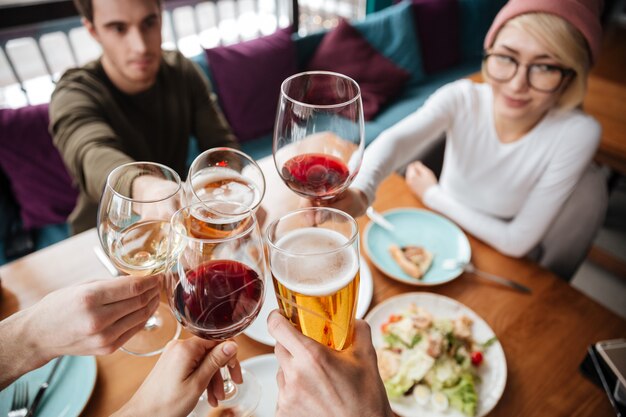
{"points": [[177, 179], [240, 153], [321, 106], [350, 242], [203, 204]]}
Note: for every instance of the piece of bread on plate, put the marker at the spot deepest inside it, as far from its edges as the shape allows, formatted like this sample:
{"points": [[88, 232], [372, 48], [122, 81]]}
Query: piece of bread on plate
{"points": [[413, 260]]}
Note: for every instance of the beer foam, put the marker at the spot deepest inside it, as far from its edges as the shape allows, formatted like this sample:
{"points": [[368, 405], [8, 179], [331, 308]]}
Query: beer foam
{"points": [[240, 189], [304, 270]]}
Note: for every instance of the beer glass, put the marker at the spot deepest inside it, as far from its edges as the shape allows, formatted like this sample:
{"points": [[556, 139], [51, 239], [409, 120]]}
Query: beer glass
{"points": [[228, 175], [314, 261]]}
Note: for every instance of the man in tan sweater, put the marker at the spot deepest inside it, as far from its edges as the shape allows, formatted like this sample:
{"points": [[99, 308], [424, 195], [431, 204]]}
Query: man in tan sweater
{"points": [[135, 103]]}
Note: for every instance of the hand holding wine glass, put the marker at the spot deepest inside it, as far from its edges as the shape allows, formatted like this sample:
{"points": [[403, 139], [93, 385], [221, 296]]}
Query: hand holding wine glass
{"points": [[133, 226], [318, 136], [184, 371], [215, 281]]}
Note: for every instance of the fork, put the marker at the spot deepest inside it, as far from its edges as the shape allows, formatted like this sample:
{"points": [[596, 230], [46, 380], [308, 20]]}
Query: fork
{"points": [[19, 406]]}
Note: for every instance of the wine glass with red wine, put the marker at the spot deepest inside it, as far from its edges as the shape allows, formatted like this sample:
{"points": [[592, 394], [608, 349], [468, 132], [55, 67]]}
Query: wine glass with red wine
{"points": [[215, 281], [318, 135]]}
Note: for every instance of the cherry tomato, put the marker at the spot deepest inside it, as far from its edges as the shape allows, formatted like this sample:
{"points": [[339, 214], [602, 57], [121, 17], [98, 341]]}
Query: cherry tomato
{"points": [[477, 358], [392, 319]]}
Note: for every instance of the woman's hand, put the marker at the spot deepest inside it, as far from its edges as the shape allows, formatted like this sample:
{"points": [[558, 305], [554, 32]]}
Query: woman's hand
{"points": [[352, 201], [314, 380], [420, 178], [185, 369]]}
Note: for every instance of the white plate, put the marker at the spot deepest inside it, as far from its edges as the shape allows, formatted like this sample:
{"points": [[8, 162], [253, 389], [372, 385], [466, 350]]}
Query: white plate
{"points": [[492, 372], [258, 329], [264, 368]]}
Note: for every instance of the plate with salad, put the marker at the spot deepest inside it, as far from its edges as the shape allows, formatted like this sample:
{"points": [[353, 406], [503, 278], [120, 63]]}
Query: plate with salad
{"points": [[437, 357]]}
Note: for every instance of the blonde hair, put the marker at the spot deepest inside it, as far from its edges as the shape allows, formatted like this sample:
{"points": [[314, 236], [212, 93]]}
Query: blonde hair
{"points": [[566, 44]]}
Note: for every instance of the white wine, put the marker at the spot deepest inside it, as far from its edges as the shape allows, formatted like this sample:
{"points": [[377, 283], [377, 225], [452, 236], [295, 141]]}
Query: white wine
{"points": [[225, 184], [141, 249], [316, 276]]}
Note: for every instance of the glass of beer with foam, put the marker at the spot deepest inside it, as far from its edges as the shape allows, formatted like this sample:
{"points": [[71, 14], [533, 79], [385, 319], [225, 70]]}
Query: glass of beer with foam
{"points": [[314, 260]]}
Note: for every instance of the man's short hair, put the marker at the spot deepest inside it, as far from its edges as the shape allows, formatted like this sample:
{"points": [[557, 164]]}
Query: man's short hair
{"points": [[85, 8]]}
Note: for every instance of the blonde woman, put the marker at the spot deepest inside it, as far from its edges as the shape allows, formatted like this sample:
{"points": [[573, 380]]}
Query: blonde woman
{"points": [[517, 145]]}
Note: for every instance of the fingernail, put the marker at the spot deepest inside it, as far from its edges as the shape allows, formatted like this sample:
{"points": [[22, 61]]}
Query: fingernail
{"points": [[229, 348]]}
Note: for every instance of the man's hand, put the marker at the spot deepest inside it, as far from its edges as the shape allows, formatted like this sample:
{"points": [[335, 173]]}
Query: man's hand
{"points": [[149, 188], [94, 318], [314, 380]]}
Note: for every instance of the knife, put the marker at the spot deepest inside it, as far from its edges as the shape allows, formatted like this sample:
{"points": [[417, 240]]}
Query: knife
{"points": [[378, 218], [42, 389]]}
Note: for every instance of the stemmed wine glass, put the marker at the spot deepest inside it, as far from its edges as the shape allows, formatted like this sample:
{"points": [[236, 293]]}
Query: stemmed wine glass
{"points": [[226, 174], [318, 135], [133, 226], [215, 281]]}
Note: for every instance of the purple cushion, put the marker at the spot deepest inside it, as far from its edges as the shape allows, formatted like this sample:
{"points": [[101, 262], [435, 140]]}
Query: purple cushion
{"points": [[437, 23], [346, 51], [40, 182], [247, 78]]}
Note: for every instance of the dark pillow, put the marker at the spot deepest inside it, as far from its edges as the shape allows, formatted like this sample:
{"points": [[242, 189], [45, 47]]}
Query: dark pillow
{"points": [[437, 23], [346, 51], [392, 32], [247, 78], [40, 182]]}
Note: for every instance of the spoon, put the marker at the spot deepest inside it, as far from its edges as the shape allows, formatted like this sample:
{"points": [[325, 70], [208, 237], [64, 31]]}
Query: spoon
{"points": [[468, 267]]}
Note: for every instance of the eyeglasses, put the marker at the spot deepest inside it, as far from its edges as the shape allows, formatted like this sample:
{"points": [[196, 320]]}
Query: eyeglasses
{"points": [[541, 77]]}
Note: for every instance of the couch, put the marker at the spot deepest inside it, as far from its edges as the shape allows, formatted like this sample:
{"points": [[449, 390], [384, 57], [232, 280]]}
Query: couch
{"points": [[428, 43]]}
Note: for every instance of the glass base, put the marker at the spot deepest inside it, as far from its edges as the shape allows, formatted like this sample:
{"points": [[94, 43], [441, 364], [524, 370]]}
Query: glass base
{"points": [[158, 331], [241, 404]]}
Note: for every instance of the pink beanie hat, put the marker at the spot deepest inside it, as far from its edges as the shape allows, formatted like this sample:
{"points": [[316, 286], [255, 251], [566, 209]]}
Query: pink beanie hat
{"points": [[584, 15]]}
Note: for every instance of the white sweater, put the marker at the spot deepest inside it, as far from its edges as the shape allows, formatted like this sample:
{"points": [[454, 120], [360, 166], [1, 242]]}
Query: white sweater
{"points": [[506, 194]]}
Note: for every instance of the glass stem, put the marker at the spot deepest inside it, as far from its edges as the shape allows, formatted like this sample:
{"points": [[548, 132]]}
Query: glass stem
{"points": [[230, 388]]}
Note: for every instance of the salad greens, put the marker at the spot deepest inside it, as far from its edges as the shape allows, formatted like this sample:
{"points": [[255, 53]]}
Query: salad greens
{"points": [[434, 360]]}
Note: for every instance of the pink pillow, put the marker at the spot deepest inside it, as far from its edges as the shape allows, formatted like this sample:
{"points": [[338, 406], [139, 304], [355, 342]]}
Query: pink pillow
{"points": [[346, 51], [247, 78]]}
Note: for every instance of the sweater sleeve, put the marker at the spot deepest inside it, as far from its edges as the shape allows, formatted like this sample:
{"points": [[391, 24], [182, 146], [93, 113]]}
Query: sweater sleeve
{"points": [[398, 145], [518, 236], [209, 124], [87, 143]]}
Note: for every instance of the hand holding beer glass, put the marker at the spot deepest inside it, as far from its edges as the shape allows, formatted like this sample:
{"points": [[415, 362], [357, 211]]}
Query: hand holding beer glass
{"points": [[314, 260]]}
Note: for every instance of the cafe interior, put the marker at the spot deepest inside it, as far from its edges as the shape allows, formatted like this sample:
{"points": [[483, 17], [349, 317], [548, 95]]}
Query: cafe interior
{"points": [[537, 334]]}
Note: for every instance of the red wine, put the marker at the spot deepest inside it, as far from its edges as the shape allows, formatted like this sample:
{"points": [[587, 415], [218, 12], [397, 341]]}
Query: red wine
{"points": [[219, 299], [315, 174]]}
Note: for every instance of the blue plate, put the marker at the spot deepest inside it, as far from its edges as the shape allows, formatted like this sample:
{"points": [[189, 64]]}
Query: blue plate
{"points": [[68, 392], [421, 228]]}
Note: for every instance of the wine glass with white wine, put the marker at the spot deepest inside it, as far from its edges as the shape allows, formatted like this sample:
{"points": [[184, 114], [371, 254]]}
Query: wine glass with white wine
{"points": [[134, 215]]}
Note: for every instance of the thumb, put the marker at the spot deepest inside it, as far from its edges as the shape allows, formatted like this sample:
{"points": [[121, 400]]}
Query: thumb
{"points": [[217, 357]]}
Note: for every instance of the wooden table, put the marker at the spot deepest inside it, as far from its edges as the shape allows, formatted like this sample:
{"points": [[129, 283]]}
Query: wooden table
{"points": [[544, 335]]}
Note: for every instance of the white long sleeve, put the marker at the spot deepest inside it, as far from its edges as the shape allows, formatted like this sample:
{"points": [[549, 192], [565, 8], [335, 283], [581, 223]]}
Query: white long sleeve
{"points": [[505, 194]]}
